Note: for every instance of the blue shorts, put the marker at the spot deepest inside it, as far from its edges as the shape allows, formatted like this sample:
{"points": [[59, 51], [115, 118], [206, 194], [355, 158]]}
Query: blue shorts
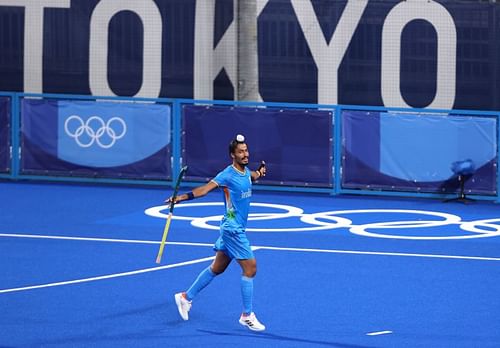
{"points": [[234, 244]]}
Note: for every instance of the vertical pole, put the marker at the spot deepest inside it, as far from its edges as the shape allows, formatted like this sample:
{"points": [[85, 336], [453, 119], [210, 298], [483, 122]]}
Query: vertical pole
{"points": [[337, 149], [15, 135], [247, 88], [498, 159], [333, 149], [176, 139]]}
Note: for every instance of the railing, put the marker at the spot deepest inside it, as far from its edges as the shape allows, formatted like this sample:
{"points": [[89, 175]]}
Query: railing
{"points": [[335, 149]]}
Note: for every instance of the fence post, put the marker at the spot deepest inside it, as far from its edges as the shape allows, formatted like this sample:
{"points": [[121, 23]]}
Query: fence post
{"points": [[15, 135], [176, 139]]}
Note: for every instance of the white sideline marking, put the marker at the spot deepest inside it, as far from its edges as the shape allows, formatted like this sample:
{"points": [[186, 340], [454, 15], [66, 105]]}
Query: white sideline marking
{"points": [[116, 275], [383, 253], [90, 239], [334, 251], [377, 333], [109, 276]]}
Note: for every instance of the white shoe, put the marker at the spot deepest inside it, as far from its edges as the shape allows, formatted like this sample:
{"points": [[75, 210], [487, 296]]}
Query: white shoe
{"points": [[183, 305], [251, 322]]}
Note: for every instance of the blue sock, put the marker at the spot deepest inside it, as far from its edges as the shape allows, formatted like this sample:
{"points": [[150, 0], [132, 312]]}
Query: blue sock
{"points": [[247, 294], [204, 278]]}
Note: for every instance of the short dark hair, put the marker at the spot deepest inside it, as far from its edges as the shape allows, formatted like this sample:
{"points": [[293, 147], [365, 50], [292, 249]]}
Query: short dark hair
{"points": [[239, 139]]}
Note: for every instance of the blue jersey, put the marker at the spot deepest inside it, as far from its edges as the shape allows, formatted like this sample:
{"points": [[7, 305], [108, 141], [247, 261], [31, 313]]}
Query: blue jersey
{"points": [[237, 189]]}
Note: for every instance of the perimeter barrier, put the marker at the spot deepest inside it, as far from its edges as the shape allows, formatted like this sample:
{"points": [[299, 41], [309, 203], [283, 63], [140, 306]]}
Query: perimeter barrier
{"points": [[335, 149]]}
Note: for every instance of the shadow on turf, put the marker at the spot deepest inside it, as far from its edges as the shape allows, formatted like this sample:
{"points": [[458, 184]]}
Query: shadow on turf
{"points": [[270, 336]]}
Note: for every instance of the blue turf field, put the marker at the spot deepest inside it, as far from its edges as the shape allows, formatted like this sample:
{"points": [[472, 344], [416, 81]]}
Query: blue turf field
{"points": [[78, 270]]}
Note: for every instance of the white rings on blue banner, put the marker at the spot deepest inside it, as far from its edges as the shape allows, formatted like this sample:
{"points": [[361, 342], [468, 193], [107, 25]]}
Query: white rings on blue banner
{"points": [[94, 129]]}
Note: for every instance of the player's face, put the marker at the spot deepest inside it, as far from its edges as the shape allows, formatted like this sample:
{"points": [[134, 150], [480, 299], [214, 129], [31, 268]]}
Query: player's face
{"points": [[240, 154]]}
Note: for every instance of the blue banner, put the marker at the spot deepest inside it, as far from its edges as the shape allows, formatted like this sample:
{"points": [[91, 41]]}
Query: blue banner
{"points": [[5, 134], [423, 148], [111, 134], [394, 151], [296, 144], [108, 139], [386, 53]]}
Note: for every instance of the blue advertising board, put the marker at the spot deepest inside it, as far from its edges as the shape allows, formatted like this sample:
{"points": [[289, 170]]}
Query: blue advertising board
{"points": [[295, 144], [413, 152], [436, 54], [99, 139]]}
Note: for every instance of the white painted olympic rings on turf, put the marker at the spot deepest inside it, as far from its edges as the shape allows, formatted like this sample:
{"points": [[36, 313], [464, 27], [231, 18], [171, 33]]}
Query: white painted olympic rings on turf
{"points": [[203, 222], [362, 229], [95, 129], [335, 219]]}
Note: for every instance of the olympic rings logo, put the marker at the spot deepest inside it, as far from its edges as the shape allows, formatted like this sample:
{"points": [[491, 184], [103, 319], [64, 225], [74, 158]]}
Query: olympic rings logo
{"points": [[95, 129], [330, 220]]}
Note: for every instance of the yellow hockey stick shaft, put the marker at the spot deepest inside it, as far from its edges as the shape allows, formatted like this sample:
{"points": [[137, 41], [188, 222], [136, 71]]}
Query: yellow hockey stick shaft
{"points": [[164, 238], [169, 217]]}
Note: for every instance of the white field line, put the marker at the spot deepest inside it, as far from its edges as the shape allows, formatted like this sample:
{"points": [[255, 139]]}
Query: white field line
{"points": [[109, 276], [313, 250], [383, 253], [378, 333], [180, 264], [90, 239]]}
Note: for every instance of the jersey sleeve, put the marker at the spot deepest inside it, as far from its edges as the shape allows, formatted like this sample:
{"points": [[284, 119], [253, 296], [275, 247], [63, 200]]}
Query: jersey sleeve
{"points": [[221, 179]]}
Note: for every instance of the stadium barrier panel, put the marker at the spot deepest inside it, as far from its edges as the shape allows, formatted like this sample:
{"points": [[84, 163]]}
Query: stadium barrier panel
{"points": [[336, 149]]}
